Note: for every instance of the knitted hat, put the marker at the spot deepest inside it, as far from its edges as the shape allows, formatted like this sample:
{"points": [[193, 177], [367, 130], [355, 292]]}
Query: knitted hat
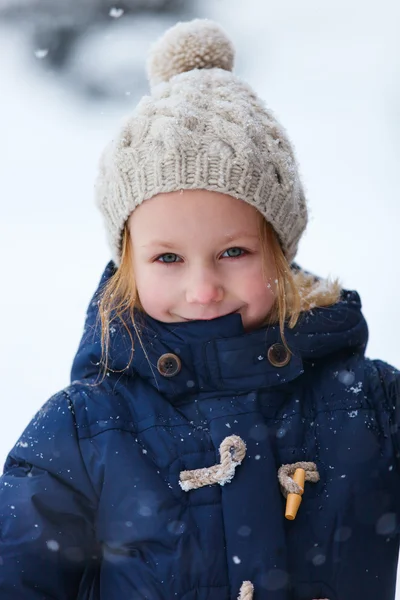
{"points": [[201, 128]]}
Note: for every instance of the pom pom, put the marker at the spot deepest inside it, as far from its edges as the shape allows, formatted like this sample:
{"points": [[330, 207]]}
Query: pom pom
{"points": [[197, 44]]}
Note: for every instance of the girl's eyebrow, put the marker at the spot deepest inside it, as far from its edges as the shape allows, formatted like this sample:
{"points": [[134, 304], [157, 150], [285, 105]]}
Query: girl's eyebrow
{"points": [[240, 234], [158, 243], [227, 236]]}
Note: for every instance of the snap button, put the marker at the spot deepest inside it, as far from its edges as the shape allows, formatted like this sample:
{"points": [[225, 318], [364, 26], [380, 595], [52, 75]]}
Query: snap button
{"points": [[168, 365], [278, 356]]}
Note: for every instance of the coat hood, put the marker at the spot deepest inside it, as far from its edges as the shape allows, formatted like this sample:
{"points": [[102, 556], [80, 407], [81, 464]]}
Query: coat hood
{"points": [[218, 353]]}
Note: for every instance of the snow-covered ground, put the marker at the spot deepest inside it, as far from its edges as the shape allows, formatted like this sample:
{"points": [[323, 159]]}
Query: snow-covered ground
{"points": [[330, 71]]}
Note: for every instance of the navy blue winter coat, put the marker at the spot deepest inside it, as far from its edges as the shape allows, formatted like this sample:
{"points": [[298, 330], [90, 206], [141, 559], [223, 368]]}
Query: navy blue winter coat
{"points": [[90, 502]]}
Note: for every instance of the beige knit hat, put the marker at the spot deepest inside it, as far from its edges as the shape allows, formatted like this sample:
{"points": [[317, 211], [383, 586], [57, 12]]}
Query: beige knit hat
{"points": [[201, 128]]}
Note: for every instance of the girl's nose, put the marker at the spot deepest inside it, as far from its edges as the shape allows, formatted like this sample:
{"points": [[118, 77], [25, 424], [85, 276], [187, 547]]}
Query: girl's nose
{"points": [[204, 289]]}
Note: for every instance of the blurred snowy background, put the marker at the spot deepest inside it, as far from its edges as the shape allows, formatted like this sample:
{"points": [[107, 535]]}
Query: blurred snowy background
{"points": [[71, 69]]}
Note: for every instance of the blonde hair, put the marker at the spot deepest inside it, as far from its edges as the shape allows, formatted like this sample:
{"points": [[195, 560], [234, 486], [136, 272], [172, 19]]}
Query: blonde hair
{"points": [[296, 292]]}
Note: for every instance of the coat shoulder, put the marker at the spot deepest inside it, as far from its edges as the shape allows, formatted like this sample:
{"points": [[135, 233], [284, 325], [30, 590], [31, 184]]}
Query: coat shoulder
{"points": [[50, 444], [384, 382], [101, 406]]}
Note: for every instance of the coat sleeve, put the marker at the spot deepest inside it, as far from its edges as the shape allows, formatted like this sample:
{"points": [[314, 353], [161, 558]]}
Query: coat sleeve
{"points": [[47, 541], [389, 381]]}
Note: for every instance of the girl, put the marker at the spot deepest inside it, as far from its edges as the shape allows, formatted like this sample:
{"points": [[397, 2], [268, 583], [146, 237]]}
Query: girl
{"points": [[224, 435]]}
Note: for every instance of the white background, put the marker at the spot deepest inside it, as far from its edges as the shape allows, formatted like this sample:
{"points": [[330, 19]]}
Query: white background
{"points": [[330, 72]]}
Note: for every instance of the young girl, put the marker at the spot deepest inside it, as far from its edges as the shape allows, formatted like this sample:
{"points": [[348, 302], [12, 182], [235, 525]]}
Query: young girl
{"points": [[216, 381]]}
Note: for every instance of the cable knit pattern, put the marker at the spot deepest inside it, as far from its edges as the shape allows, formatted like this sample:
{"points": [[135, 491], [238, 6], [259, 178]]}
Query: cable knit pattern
{"points": [[203, 129]]}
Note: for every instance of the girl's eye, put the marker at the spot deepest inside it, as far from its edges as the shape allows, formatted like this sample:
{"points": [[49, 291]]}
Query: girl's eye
{"points": [[168, 258], [234, 252]]}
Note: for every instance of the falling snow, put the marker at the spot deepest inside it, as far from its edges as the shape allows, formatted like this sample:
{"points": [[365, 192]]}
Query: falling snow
{"points": [[41, 52], [53, 545]]}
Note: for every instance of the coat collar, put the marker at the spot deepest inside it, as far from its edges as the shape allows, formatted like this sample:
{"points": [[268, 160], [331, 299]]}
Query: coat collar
{"points": [[219, 354]]}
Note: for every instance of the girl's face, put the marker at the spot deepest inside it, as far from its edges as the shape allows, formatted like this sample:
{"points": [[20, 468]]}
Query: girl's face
{"points": [[198, 255]]}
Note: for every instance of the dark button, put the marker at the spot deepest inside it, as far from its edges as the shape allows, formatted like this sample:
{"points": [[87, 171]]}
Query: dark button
{"points": [[278, 356], [168, 365]]}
